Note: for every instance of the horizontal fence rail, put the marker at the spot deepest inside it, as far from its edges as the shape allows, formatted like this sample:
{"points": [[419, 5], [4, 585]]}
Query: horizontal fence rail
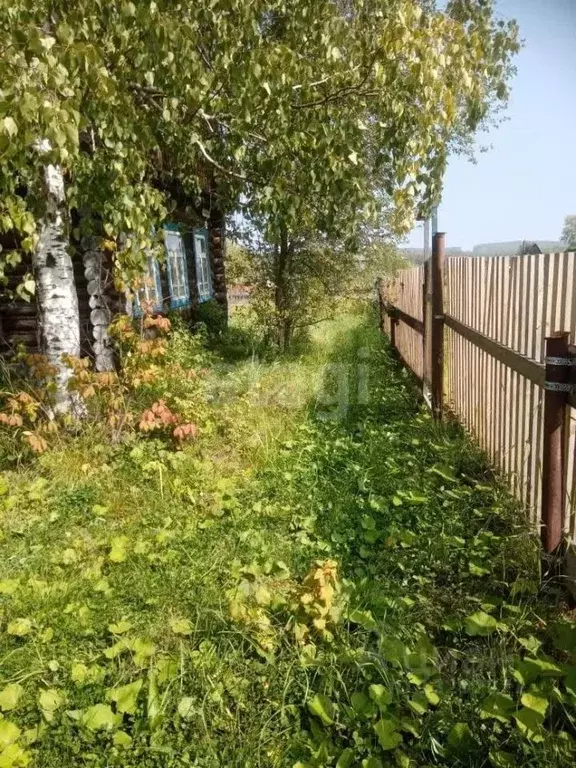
{"points": [[475, 331]]}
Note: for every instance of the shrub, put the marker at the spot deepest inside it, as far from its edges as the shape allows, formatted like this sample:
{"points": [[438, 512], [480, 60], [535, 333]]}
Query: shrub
{"points": [[212, 316], [158, 390]]}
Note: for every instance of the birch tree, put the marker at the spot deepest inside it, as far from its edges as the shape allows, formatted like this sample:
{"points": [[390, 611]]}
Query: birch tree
{"points": [[295, 111], [58, 317]]}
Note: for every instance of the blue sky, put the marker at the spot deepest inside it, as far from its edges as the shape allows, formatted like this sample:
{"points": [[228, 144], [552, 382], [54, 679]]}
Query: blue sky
{"points": [[525, 185]]}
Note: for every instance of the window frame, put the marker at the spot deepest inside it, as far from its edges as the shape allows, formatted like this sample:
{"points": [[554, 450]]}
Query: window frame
{"points": [[204, 283], [153, 273], [183, 299]]}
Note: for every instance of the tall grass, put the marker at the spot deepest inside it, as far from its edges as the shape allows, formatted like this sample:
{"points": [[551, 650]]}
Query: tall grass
{"points": [[192, 575]]}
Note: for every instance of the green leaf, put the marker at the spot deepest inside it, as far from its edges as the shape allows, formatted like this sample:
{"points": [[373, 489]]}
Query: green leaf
{"points": [[122, 739], [393, 650], [118, 648], [532, 644], [528, 670], [14, 757], [499, 706], [529, 723], [118, 549], [153, 709], [361, 704], [186, 707], [181, 627], [346, 759], [79, 673], [8, 733], [363, 618], [445, 473], [126, 696], [129, 9], [9, 696], [478, 568], [538, 703], [120, 628], [460, 737], [32, 735], [501, 759], [321, 706], [49, 701], [380, 695], [419, 704], [8, 586], [388, 734], [19, 627], [168, 669], [431, 695], [480, 623], [372, 762], [402, 759], [9, 126], [143, 650], [100, 717], [565, 637]]}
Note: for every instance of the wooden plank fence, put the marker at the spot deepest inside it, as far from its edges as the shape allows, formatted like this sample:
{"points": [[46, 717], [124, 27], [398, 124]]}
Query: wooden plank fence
{"points": [[489, 340]]}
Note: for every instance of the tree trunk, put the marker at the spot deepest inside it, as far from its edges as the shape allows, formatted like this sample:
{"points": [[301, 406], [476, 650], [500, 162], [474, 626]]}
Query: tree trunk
{"points": [[57, 300], [282, 295], [98, 270]]}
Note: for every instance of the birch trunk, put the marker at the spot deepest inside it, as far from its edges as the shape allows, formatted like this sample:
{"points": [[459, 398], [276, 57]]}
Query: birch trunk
{"points": [[57, 300], [99, 276]]}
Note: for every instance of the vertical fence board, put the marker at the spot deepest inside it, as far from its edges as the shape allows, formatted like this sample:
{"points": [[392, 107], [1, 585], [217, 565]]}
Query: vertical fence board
{"points": [[517, 301]]}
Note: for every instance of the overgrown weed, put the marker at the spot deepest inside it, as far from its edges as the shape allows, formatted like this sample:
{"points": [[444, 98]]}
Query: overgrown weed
{"points": [[312, 583]]}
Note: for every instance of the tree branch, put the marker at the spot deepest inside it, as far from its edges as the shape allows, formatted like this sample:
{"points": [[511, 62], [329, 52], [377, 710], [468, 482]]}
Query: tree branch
{"points": [[216, 164], [345, 90]]}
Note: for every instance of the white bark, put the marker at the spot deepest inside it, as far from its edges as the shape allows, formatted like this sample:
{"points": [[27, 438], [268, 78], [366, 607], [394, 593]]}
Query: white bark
{"points": [[57, 300], [99, 279]]}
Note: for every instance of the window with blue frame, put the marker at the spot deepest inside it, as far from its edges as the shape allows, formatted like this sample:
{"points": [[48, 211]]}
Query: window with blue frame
{"points": [[148, 297], [203, 270], [176, 267]]}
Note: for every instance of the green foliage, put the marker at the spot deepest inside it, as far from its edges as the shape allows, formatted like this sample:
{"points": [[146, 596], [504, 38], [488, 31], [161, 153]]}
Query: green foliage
{"points": [[158, 389], [293, 589], [372, 261], [272, 99], [239, 264], [568, 235], [212, 318]]}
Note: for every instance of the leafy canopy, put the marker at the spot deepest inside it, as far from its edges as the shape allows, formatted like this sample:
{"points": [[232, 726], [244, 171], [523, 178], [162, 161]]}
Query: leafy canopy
{"points": [[569, 232], [298, 108]]}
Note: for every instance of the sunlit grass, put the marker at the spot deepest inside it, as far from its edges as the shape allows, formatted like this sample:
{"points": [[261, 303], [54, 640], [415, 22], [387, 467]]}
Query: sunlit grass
{"points": [[184, 570]]}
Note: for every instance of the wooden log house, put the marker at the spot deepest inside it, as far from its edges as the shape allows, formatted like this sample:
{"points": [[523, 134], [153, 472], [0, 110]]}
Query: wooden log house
{"points": [[192, 273]]}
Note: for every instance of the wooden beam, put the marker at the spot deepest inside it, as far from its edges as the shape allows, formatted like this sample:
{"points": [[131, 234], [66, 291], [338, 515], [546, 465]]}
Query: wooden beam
{"points": [[530, 369], [398, 314]]}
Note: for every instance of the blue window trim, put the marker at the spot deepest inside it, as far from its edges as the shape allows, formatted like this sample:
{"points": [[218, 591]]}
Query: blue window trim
{"points": [[183, 301], [136, 308], [202, 297]]}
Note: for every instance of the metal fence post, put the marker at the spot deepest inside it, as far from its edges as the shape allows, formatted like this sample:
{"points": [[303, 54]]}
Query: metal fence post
{"points": [[426, 331], [437, 324], [557, 388]]}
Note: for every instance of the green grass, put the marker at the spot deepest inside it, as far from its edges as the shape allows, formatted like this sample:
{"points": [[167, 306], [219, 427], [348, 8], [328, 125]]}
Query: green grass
{"points": [[190, 576]]}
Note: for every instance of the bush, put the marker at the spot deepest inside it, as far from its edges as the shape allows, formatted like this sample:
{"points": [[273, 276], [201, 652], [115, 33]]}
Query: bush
{"points": [[158, 390], [212, 316]]}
